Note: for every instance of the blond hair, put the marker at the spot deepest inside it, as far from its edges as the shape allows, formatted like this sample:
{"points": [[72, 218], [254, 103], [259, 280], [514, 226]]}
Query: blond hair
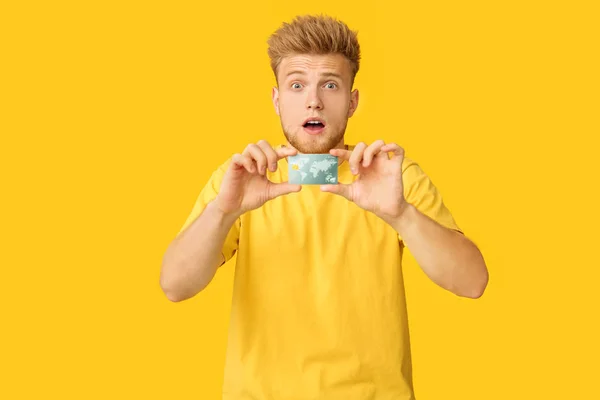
{"points": [[314, 34]]}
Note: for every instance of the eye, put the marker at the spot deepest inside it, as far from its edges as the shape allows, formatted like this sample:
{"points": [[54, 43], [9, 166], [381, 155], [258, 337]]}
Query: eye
{"points": [[331, 85], [296, 85]]}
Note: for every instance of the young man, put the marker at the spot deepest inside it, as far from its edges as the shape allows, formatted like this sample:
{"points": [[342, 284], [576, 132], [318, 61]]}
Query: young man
{"points": [[319, 307]]}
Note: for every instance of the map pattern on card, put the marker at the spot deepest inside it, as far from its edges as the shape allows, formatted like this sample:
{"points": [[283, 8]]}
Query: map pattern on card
{"points": [[313, 169]]}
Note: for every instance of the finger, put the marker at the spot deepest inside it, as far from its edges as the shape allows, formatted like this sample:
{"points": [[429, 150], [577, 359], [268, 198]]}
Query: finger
{"points": [[341, 189], [393, 147], [258, 156], [269, 153], [342, 154], [371, 151], [241, 161], [279, 189], [283, 152], [356, 157]]}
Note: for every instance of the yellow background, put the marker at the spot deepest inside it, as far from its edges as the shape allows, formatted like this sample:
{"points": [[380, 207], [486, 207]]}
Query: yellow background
{"points": [[114, 114]]}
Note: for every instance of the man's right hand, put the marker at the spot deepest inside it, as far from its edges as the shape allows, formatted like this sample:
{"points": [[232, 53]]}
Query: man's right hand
{"points": [[245, 185]]}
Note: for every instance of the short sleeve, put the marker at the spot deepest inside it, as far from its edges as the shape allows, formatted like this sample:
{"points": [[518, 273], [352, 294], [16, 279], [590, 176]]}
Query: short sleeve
{"points": [[207, 194], [420, 191]]}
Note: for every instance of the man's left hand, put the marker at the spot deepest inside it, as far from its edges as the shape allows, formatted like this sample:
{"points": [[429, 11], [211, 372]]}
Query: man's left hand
{"points": [[379, 188]]}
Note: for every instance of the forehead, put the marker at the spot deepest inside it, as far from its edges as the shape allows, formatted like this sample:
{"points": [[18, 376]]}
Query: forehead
{"points": [[314, 63]]}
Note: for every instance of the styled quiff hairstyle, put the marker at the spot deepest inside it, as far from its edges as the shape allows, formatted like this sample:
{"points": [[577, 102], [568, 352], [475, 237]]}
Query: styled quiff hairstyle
{"points": [[314, 34]]}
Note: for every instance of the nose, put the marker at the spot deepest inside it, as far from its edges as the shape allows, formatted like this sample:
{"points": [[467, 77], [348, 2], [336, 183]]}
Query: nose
{"points": [[313, 101]]}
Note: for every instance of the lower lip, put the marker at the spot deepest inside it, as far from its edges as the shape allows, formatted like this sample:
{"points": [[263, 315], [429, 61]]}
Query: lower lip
{"points": [[314, 131]]}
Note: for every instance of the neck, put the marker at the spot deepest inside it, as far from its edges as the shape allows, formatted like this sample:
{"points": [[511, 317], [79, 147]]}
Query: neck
{"points": [[341, 145]]}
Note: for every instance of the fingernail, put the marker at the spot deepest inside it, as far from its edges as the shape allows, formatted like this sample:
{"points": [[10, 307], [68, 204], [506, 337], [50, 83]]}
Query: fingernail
{"points": [[274, 166]]}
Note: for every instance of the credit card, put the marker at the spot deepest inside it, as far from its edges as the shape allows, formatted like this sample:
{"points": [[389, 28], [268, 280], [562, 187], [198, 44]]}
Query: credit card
{"points": [[313, 169]]}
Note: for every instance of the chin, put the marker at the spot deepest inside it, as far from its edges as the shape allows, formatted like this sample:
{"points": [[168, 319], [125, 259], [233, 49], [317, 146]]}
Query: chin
{"points": [[320, 144], [316, 147]]}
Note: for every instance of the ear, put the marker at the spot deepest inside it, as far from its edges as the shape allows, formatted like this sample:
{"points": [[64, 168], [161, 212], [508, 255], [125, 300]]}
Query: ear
{"points": [[275, 98], [353, 103]]}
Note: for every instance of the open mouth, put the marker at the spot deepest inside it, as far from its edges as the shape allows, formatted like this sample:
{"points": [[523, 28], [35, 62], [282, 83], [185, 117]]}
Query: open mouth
{"points": [[314, 126]]}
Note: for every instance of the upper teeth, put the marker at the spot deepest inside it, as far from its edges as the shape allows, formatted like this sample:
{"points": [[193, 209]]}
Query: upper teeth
{"points": [[313, 122]]}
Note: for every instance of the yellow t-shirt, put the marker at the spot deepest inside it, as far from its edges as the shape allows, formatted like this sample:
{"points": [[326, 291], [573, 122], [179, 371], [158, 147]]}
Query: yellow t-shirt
{"points": [[318, 309]]}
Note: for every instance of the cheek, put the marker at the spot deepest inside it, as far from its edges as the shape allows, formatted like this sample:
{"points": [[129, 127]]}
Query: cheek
{"points": [[339, 108], [289, 106]]}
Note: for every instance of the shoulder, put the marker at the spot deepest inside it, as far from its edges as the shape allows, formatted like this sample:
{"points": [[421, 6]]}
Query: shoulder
{"points": [[411, 166], [212, 184], [221, 168]]}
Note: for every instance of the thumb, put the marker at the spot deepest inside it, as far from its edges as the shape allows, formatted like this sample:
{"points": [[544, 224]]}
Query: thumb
{"points": [[279, 189], [340, 189]]}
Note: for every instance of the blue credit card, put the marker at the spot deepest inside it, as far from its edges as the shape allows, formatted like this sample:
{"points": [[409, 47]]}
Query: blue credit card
{"points": [[313, 169]]}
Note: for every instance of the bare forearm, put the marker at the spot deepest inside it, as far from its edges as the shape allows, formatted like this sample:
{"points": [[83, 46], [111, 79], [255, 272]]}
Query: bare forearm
{"points": [[192, 259], [449, 258]]}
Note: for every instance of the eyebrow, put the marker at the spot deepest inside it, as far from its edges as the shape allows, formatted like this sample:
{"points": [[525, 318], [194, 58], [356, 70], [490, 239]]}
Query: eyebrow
{"points": [[326, 74], [333, 74]]}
